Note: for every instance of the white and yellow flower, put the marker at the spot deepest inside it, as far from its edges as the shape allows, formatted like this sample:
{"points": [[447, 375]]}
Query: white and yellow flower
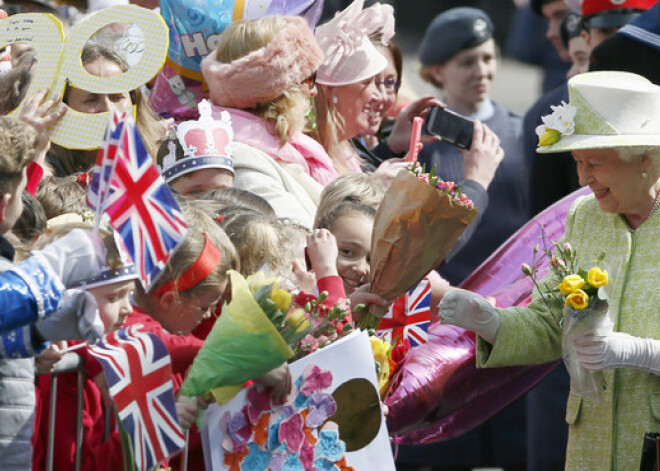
{"points": [[561, 122]]}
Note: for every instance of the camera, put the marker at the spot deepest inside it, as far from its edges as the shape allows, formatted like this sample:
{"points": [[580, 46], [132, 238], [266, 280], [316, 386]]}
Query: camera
{"points": [[450, 126]]}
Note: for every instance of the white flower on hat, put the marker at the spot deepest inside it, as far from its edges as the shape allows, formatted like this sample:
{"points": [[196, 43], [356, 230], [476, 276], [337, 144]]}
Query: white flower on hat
{"points": [[559, 123]]}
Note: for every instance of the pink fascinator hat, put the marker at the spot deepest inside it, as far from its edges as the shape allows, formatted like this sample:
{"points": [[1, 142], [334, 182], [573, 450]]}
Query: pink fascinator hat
{"points": [[350, 56], [262, 75]]}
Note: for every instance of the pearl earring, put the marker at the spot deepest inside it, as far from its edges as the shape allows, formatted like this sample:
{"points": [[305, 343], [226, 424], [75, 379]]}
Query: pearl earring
{"points": [[645, 175], [335, 100]]}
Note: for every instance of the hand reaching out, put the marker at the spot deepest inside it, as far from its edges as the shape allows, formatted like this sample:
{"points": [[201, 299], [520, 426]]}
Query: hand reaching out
{"points": [[42, 116], [373, 303]]}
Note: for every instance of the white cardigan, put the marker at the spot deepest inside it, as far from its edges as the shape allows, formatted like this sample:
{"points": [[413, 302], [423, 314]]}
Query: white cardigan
{"points": [[291, 192]]}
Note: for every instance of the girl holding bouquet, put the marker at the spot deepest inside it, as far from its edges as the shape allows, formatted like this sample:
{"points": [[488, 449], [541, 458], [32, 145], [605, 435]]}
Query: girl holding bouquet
{"points": [[618, 157]]}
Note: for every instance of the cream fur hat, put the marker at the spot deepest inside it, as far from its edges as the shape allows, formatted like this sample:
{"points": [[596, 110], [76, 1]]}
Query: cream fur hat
{"points": [[605, 110]]}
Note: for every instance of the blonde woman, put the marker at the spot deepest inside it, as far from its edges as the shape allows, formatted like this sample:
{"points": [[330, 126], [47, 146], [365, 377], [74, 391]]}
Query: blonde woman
{"points": [[262, 75]]}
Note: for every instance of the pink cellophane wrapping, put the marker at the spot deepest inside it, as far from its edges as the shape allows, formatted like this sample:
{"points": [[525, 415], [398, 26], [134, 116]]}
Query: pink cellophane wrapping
{"points": [[438, 393]]}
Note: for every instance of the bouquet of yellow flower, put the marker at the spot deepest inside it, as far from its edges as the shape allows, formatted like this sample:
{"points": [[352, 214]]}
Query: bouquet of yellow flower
{"points": [[585, 309], [250, 338], [258, 330]]}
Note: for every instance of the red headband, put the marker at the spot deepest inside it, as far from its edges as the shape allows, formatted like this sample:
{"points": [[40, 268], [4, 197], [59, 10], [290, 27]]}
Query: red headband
{"points": [[203, 266]]}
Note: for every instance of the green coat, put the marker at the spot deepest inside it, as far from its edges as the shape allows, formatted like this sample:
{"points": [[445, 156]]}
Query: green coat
{"points": [[604, 435]]}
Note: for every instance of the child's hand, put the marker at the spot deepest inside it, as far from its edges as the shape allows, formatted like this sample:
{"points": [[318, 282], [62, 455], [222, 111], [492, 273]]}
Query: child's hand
{"points": [[322, 251], [305, 280], [186, 411], [46, 360], [279, 382], [372, 303]]}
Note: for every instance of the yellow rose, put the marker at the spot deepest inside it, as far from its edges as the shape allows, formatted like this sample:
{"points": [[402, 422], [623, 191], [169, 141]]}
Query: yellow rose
{"points": [[295, 318], [549, 137], [282, 299], [578, 299], [571, 283], [597, 277]]}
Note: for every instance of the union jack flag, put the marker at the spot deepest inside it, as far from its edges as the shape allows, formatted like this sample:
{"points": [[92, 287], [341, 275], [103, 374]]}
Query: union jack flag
{"points": [[137, 367], [127, 186], [408, 316]]}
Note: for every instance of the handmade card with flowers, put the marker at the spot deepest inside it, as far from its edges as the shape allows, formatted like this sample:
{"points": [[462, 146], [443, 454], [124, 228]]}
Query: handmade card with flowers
{"points": [[331, 420]]}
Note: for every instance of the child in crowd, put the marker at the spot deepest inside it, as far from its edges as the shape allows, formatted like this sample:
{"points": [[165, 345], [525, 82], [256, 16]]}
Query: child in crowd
{"points": [[256, 239], [111, 291], [32, 222], [61, 195], [238, 197], [196, 158], [351, 224], [32, 293], [359, 187]]}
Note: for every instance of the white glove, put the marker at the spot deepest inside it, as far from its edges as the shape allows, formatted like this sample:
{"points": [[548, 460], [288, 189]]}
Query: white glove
{"points": [[76, 319], [470, 311], [618, 350], [75, 257]]}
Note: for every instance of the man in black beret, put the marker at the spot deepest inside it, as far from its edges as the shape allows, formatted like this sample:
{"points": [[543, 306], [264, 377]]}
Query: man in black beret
{"points": [[575, 43]]}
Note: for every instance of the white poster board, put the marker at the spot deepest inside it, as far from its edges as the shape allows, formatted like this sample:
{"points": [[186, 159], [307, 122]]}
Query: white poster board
{"points": [[332, 418]]}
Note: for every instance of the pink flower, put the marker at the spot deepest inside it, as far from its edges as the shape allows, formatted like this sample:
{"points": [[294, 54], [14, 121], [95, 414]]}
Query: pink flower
{"points": [[314, 379], [291, 433], [258, 403], [309, 343], [423, 177]]}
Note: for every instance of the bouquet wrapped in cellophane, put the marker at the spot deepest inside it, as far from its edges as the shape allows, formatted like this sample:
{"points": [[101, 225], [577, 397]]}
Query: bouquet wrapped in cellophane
{"points": [[419, 220], [257, 331]]}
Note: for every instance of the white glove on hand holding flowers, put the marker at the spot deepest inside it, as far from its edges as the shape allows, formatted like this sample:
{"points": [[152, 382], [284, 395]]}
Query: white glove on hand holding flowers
{"points": [[470, 311], [618, 350]]}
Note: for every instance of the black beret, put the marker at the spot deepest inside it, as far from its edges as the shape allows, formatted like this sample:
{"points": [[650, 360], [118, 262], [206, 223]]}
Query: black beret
{"points": [[452, 31], [571, 27]]}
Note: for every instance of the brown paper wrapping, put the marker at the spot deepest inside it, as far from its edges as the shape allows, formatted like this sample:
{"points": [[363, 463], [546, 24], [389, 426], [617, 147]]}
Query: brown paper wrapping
{"points": [[414, 229]]}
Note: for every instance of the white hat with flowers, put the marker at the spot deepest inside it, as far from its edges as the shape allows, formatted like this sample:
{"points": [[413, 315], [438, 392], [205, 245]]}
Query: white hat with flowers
{"points": [[605, 110]]}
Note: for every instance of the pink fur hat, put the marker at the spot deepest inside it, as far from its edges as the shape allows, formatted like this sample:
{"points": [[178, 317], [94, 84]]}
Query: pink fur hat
{"points": [[262, 75]]}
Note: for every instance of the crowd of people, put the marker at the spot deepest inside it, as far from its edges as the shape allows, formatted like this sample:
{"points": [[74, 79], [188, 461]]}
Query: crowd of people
{"points": [[300, 134]]}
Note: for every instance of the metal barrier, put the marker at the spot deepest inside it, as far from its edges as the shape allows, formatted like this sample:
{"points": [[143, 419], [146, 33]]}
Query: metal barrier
{"points": [[70, 362]]}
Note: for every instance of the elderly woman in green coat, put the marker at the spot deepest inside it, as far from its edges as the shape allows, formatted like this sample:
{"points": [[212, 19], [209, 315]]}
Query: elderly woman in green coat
{"points": [[612, 127]]}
